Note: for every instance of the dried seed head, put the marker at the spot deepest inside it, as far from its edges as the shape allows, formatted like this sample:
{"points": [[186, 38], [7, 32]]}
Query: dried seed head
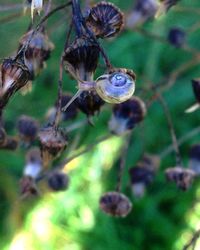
{"points": [[28, 187], [143, 10], [116, 87], [14, 75], [33, 163], [115, 204], [126, 115], [89, 103], [141, 175], [28, 128], [105, 19], [181, 176], [70, 112], [81, 57], [38, 50], [176, 37], [53, 142], [58, 181], [194, 159]]}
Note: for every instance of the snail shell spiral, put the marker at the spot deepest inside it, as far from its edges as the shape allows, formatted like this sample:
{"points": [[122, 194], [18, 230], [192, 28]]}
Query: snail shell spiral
{"points": [[116, 87]]}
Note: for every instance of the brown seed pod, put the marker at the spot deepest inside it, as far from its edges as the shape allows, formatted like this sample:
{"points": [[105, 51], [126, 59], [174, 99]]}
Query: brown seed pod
{"points": [[38, 50], [28, 128], [28, 187], [13, 76], [105, 19], [81, 58], [181, 176], [53, 142], [115, 204], [89, 103]]}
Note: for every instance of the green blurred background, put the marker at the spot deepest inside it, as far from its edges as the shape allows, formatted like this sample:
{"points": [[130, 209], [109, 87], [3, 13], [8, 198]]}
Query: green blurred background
{"points": [[166, 217]]}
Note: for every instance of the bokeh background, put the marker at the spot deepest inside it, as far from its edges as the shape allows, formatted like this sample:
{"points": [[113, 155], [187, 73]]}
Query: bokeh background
{"points": [[165, 218]]}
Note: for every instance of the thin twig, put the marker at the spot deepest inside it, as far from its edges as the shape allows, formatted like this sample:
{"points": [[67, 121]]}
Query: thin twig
{"points": [[123, 162], [193, 241], [172, 130]]}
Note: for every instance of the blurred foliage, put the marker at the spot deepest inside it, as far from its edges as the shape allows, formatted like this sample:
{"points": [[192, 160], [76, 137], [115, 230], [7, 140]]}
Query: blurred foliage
{"points": [[166, 217]]}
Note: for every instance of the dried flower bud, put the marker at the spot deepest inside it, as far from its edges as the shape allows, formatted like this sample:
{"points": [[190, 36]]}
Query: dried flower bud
{"points": [[81, 57], [28, 187], [181, 176], [58, 181], [115, 204], [28, 128], [126, 115], [89, 103], [70, 112], [37, 52], [140, 178], [176, 37], [105, 19], [143, 10], [194, 159], [33, 163], [53, 142], [13, 76]]}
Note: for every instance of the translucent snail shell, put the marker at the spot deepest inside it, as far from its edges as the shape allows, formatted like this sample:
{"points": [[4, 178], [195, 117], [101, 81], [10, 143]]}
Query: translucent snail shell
{"points": [[116, 87]]}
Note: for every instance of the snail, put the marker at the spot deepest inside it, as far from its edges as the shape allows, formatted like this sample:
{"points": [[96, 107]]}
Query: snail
{"points": [[115, 87]]}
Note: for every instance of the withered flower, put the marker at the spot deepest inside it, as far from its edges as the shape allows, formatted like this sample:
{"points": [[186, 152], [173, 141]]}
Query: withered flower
{"points": [[105, 19], [194, 159], [89, 103], [181, 176], [70, 113], [13, 76], [58, 181], [115, 204], [38, 50], [81, 58], [52, 142], [140, 177], [28, 128], [126, 115], [33, 164], [176, 37]]}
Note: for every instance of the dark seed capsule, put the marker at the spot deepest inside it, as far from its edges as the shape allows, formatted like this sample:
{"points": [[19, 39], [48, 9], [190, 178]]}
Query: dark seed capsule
{"points": [[181, 176], [82, 57], [105, 19], [177, 37], [28, 128], [89, 103], [115, 204], [58, 181], [13, 76], [126, 115], [141, 175]]}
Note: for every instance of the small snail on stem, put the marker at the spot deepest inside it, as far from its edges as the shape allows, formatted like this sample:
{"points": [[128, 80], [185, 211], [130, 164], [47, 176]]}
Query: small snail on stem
{"points": [[115, 87]]}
